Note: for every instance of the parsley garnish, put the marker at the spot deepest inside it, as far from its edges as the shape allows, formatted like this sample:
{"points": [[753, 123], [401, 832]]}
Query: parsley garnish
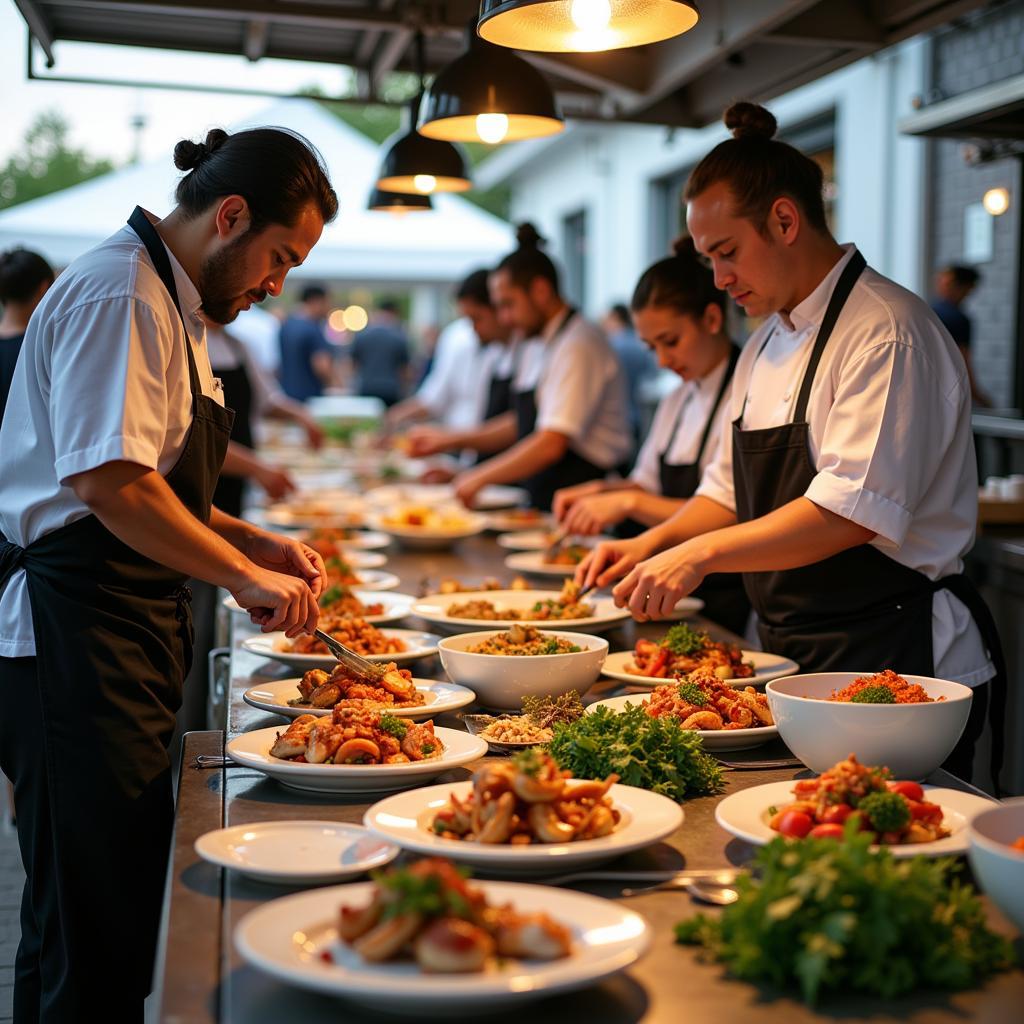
{"points": [[692, 694], [393, 726], [874, 695], [681, 639]]}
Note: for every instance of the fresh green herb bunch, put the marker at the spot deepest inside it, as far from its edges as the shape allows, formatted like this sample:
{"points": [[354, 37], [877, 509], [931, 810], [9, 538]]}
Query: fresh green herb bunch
{"points": [[420, 894], [332, 594], [692, 693], [543, 712], [682, 639], [874, 695], [652, 753], [829, 916], [393, 726], [886, 811]]}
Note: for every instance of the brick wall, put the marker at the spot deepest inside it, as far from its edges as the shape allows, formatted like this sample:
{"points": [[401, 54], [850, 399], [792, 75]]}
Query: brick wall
{"points": [[986, 47]]}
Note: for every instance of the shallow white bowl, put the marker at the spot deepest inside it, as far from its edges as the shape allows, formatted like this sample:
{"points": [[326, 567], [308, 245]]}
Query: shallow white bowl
{"points": [[998, 868], [910, 739], [502, 680]]}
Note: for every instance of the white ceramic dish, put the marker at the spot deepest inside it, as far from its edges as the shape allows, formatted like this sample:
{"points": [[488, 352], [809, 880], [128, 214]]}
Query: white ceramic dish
{"points": [[502, 681], [360, 540], [714, 739], [287, 938], [273, 696], [998, 867], [364, 559], [509, 522], [418, 645], [296, 852], [471, 523], [911, 739], [492, 497], [434, 609], [405, 819], [318, 509], [538, 540], [252, 749], [396, 606], [376, 579], [745, 815], [532, 562], [766, 667]]}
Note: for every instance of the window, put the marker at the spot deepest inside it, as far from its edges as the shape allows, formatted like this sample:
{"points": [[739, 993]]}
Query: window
{"points": [[668, 214], [574, 246], [817, 138]]}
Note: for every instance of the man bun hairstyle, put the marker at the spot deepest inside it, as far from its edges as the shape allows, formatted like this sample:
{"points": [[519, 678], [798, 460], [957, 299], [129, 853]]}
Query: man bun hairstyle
{"points": [[22, 272], [682, 281], [529, 262], [277, 171], [473, 288], [759, 169]]}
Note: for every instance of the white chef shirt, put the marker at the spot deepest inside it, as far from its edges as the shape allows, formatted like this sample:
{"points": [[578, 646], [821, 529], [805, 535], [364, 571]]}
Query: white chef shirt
{"points": [[452, 389], [695, 398], [890, 436], [580, 389], [103, 377]]}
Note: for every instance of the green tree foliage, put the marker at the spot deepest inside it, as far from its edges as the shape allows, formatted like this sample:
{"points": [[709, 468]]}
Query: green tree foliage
{"points": [[46, 163]]}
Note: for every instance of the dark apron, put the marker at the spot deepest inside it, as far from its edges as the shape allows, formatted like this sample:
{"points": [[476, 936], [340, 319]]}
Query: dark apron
{"points": [[499, 398], [857, 610], [725, 600], [572, 468], [238, 395], [113, 643]]}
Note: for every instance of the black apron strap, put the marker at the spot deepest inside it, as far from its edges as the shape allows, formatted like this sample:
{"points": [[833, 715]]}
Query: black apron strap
{"points": [[11, 557]]}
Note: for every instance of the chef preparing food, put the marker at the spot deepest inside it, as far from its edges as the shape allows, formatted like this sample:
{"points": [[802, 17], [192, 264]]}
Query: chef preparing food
{"points": [[845, 488], [113, 440]]}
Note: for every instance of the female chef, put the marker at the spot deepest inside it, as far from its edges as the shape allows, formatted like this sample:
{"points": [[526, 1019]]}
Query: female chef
{"points": [[845, 488]]}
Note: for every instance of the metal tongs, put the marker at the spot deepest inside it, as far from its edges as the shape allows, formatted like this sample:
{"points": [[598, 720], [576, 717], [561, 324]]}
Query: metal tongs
{"points": [[355, 663]]}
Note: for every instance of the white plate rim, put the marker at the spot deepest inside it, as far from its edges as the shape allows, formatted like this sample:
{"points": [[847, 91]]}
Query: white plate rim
{"points": [[389, 597], [259, 646], [531, 562], [421, 610], [612, 671]]}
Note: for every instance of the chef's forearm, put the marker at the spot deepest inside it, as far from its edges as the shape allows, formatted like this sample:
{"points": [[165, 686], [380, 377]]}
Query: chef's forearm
{"points": [[529, 456], [495, 435], [138, 506], [651, 509], [698, 516], [237, 532]]}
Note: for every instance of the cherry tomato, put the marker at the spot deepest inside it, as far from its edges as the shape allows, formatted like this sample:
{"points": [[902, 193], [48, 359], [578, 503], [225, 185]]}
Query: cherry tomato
{"points": [[922, 810], [806, 786], [828, 831], [836, 814], [911, 790], [795, 824]]}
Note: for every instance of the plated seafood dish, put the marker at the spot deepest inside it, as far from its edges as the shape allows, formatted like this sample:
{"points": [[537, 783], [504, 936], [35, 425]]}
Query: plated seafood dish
{"points": [[702, 701], [338, 601], [340, 688], [523, 641], [356, 634], [452, 585], [565, 553], [340, 573], [683, 650], [883, 688], [565, 606]]}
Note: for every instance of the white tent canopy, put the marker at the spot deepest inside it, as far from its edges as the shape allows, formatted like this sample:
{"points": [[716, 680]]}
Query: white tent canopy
{"points": [[359, 246]]}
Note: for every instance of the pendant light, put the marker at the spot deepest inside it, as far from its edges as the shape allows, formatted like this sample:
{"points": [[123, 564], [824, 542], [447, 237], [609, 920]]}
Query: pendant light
{"points": [[418, 165], [489, 94], [582, 26], [398, 202]]}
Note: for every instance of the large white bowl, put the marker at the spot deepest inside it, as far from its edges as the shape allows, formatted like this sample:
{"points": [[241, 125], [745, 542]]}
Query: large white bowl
{"points": [[910, 739], [503, 680], [998, 868]]}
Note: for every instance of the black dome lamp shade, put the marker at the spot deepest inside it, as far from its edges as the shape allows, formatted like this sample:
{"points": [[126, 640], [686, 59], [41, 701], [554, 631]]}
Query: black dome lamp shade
{"points": [[398, 202], [418, 165], [581, 26], [489, 94]]}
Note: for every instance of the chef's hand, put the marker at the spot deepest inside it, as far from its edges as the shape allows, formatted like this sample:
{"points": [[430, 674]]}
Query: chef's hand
{"points": [[436, 475], [277, 601], [314, 432], [467, 486], [593, 514], [276, 482], [653, 587], [427, 441], [610, 561], [288, 556], [567, 497]]}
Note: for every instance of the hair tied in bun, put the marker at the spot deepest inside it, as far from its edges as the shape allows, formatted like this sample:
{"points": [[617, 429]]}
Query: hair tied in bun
{"points": [[188, 155], [684, 248], [528, 237], [750, 121]]}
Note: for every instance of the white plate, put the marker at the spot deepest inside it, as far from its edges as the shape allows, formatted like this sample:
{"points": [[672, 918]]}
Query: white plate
{"points": [[538, 540], [766, 667], [506, 522], [364, 559], [296, 852], [361, 540], [439, 696], [252, 749], [405, 819], [714, 739], [419, 645], [351, 514], [376, 579], [396, 606], [745, 815], [490, 497], [431, 537], [286, 937], [434, 609], [533, 563]]}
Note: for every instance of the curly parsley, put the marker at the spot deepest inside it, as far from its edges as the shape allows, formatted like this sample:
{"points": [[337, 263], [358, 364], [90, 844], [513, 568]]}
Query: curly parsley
{"points": [[393, 726], [874, 695], [420, 894], [682, 639], [692, 694]]}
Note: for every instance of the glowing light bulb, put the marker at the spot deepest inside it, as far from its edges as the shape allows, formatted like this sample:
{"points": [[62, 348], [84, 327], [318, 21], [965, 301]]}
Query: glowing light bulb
{"points": [[355, 318], [336, 321], [996, 201], [425, 183], [492, 128], [591, 15]]}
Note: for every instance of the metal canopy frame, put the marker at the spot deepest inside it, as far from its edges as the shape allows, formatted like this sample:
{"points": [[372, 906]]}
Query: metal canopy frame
{"points": [[739, 48]]}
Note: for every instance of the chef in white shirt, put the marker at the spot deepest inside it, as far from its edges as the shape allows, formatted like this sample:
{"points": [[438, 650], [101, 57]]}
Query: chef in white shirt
{"points": [[680, 314], [845, 488], [569, 393], [112, 445]]}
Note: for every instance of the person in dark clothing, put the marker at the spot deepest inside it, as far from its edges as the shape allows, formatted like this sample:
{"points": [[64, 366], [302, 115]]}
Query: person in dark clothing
{"points": [[381, 356], [306, 354], [24, 278], [953, 284]]}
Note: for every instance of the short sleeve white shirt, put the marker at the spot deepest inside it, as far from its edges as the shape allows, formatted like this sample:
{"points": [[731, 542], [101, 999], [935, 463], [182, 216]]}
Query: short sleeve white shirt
{"points": [[102, 377], [890, 436]]}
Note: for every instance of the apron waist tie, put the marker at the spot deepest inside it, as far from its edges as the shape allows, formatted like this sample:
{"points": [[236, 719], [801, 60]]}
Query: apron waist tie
{"points": [[12, 557], [183, 597]]}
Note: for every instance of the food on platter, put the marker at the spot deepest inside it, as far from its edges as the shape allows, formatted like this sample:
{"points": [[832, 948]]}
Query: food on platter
{"points": [[524, 641], [429, 911], [340, 573], [356, 634], [328, 540], [702, 701], [895, 812], [312, 510], [565, 606], [683, 650], [651, 753], [525, 516], [451, 585], [536, 722], [1018, 844], [357, 736], [825, 917], [528, 800], [340, 688], [339, 602], [427, 518], [565, 553], [883, 688]]}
